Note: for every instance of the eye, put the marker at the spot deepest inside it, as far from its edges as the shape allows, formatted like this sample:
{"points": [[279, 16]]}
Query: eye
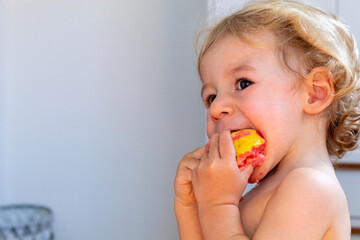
{"points": [[209, 100], [243, 83]]}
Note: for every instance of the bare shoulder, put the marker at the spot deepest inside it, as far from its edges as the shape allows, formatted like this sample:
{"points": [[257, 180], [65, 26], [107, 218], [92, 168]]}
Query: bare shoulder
{"points": [[311, 184], [307, 204]]}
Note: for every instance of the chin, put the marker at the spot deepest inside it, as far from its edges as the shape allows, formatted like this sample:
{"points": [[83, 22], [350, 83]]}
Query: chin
{"points": [[256, 176], [259, 173]]}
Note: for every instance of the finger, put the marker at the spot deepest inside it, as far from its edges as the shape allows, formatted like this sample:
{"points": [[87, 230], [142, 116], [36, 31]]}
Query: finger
{"points": [[214, 146], [226, 147], [188, 163], [185, 168], [191, 163], [207, 146], [198, 153], [247, 171]]}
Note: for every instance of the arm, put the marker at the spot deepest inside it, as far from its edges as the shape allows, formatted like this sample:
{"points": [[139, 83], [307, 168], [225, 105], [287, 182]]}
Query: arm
{"points": [[221, 222], [185, 204], [301, 207], [218, 187], [188, 222]]}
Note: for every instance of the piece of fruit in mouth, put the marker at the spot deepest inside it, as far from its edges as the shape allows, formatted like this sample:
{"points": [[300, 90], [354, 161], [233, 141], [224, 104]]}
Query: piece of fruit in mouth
{"points": [[249, 147]]}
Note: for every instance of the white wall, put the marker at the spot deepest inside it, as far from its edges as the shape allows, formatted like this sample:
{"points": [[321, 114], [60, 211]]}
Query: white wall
{"points": [[99, 101]]}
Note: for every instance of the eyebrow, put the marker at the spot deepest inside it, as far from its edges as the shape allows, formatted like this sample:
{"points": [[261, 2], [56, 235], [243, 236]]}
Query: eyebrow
{"points": [[243, 67], [203, 88], [240, 68]]}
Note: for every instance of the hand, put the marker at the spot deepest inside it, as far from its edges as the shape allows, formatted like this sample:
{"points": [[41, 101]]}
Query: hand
{"points": [[217, 179], [184, 194]]}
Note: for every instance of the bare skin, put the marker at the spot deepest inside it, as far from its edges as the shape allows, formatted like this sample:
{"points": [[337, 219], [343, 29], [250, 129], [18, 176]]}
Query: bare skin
{"points": [[298, 196]]}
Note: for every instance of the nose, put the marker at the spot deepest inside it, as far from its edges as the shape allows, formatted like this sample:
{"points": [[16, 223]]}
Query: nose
{"points": [[221, 107]]}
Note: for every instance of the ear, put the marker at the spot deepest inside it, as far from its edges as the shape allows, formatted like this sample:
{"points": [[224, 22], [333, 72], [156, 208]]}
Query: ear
{"points": [[320, 90]]}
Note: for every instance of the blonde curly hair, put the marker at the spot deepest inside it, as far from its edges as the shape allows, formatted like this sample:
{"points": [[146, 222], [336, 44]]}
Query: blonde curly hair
{"points": [[322, 40]]}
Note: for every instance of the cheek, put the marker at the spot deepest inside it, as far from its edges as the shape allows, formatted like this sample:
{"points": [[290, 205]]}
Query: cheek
{"points": [[279, 124], [274, 106], [210, 126], [273, 117], [279, 116]]}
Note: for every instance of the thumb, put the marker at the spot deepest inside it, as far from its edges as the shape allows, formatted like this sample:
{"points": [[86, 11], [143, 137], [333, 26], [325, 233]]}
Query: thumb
{"points": [[246, 171]]}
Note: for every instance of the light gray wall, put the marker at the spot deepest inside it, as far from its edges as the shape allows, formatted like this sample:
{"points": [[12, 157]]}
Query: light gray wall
{"points": [[220, 8], [3, 68], [99, 101]]}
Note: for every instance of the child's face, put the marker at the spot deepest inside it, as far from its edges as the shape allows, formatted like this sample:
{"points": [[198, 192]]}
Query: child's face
{"points": [[247, 87]]}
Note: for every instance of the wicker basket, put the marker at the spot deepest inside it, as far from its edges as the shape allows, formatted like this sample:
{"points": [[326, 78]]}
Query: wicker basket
{"points": [[26, 222]]}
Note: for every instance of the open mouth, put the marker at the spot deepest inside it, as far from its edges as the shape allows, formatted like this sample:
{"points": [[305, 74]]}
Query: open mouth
{"points": [[249, 147]]}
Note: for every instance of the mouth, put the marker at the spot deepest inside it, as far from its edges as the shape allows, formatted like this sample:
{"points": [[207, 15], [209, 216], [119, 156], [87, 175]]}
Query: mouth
{"points": [[241, 129], [249, 147], [241, 133]]}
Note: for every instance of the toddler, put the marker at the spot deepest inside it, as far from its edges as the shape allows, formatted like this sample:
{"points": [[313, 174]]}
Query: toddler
{"points": [[290, 71]]}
